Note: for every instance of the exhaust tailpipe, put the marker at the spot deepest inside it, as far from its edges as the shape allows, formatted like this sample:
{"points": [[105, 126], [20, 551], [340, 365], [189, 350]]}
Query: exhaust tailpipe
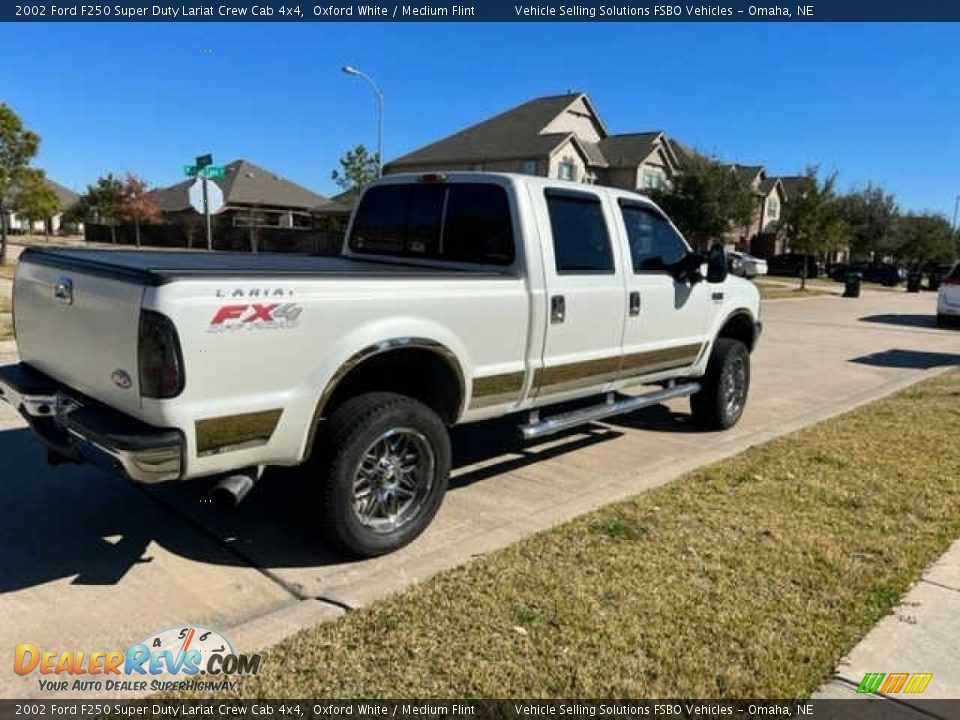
{"points": [[231, 490]]}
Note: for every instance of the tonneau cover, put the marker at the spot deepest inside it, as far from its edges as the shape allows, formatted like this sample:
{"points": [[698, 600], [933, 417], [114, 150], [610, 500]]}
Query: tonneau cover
{"points": [[160, 267]]}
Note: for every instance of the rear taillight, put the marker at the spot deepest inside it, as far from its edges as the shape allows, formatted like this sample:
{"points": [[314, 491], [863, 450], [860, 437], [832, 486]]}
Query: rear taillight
{"points": [[160, 359]]}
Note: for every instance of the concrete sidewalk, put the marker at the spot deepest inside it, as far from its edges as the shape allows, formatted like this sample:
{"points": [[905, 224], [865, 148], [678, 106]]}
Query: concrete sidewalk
{"points": [[921, 635]]}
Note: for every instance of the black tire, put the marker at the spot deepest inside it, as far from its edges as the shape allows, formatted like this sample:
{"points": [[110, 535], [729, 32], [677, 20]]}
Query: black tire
{"points": [[358, 430], [719, 405]]}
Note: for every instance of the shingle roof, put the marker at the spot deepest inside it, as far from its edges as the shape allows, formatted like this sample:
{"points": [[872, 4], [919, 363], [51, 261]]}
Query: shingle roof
{"points": [[748, 172], [514, 133], [683, 152], [244, 184], [67, 197], [629, 149], [794, 184]]}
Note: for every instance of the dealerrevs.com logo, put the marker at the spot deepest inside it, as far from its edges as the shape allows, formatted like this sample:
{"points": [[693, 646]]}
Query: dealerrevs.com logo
{"points": [[188, 658]]}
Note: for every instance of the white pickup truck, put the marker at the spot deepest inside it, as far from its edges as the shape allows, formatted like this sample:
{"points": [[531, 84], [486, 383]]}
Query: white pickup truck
{"points": [[457, 298]]}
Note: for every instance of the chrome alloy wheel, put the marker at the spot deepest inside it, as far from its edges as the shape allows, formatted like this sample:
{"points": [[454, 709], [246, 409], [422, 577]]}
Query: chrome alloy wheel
{"points": [[393, 479], [734, 386]]}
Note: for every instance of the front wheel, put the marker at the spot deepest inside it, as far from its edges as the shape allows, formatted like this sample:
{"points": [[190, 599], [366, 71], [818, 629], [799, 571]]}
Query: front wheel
{"points": [[382, 464], [724, 388]]}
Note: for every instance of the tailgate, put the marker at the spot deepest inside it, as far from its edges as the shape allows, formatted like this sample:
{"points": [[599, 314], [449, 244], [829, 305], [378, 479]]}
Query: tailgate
{"points": [[80, 328]]}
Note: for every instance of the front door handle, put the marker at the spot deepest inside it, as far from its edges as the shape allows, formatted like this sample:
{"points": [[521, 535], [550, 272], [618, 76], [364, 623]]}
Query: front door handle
{"points": [[558, 309], [635, 303]]}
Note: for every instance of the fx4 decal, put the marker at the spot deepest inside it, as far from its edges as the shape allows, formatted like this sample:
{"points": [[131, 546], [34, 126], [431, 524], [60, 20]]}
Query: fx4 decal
{"points": [[255, 316]]}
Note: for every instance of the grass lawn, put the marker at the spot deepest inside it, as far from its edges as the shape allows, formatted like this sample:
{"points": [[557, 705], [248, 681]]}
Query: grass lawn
{"points": [[748, 578], [777, 291], [4, 304], [7, 271], [6, 331]]}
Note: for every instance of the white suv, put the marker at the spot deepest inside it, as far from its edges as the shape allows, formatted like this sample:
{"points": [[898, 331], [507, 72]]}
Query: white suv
{"points": [[948, 298]]}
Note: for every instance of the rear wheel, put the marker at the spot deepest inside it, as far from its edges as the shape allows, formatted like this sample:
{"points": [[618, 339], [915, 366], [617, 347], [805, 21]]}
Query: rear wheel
{"points": [[381, 465], [723, 395]]}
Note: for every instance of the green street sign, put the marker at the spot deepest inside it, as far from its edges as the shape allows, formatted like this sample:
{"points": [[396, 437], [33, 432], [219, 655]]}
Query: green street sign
{"points": [[204, 160], [190, 170], [214, 172]]}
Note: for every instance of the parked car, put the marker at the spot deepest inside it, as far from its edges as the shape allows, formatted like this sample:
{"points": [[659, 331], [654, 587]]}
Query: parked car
{"points": [[948, 298], [883, 273], [936, 272], [746, 265], [791, 265], [458, 297]]}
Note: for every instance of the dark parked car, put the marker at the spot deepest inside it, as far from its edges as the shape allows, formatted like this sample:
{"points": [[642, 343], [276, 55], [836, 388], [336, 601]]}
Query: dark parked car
{"points": [[791, 265], [936, 272], [883, 273]]}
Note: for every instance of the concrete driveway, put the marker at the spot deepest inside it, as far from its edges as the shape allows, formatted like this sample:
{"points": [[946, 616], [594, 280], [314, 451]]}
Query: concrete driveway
{"points": [[91, 562]]}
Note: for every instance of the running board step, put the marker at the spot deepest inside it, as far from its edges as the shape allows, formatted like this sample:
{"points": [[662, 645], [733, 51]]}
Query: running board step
{"points": [[557, 423]]}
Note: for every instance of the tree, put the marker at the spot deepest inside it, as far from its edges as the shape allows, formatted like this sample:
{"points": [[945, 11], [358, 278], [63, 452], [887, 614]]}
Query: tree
{"points": [[101, 203], [358, 168], [871, 214], [136, 205], [18, 146], [706, 200], [921, 237], [813, 220], [34, 199]]}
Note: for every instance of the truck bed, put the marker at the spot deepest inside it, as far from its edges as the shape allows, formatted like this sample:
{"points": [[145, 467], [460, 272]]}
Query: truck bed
{"points": [[155, 268]]}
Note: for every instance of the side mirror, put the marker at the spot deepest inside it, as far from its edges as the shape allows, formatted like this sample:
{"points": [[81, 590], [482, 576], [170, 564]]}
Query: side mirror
{"points": [[688, 268], [717, 268]]}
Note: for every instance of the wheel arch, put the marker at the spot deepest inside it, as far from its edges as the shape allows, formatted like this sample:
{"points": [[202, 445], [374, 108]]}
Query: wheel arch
{"points": [[438, 381], [739, 325]]}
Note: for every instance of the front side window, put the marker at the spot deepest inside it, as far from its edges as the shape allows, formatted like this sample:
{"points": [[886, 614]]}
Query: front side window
{"points": [[654, 244], [581, 242], [462, 222]]}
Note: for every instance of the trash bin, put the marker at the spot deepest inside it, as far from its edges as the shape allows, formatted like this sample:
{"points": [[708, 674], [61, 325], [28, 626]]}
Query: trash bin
{"points": [[851, 285], [914, 278]]}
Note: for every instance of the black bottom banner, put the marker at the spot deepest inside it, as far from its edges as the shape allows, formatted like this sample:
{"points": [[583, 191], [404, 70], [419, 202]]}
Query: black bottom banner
{"points": [[855, 709]]}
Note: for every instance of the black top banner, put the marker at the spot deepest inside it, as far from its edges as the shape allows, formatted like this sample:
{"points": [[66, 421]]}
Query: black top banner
{"points": [[486, 11]]}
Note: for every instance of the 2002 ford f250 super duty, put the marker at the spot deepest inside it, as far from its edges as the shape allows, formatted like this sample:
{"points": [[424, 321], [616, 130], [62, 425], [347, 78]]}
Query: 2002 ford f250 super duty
{"points": [[457, 298]]}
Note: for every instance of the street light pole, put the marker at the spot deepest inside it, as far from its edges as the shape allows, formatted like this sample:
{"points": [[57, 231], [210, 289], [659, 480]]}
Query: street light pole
{"points": [[350, 70], [956, 206]]}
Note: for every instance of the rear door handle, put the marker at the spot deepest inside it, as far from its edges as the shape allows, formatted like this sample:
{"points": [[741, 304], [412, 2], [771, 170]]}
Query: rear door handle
{"points": [[558, 309], [718, 296], [635, 303]]}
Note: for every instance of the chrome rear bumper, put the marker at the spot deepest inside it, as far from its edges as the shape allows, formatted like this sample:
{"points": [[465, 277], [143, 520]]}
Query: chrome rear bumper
{"points": [[81, 430]]}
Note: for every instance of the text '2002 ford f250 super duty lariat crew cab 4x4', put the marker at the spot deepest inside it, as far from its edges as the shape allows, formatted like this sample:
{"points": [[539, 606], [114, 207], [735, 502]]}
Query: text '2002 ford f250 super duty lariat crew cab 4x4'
{"points": [[457, 298]]}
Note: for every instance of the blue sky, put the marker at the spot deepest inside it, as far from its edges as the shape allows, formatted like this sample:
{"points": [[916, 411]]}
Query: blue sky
{"points": [[875, 102]]}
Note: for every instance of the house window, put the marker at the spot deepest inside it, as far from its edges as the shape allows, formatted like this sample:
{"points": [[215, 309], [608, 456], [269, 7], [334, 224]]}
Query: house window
{"points": [[567, 170], [652, 179], [528, 167], [773, 208], [476, 167]]}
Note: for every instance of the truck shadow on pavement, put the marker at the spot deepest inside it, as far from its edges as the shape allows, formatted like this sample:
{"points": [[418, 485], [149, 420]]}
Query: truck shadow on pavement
{"points": [[908, 359], [81, 522], [918, 321]]}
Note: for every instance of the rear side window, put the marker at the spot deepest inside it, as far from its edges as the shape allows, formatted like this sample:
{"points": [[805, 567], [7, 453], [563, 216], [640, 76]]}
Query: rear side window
{"points": [[581, 242], [462, 222]]}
